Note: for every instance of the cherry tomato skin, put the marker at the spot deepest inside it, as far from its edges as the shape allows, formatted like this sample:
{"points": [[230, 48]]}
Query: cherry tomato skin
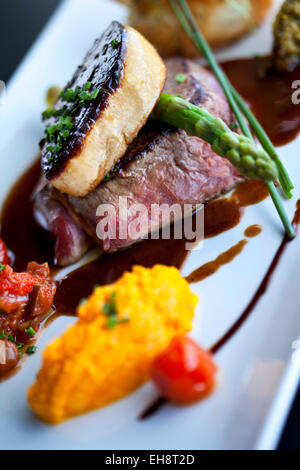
{"points": [[185, 372]]}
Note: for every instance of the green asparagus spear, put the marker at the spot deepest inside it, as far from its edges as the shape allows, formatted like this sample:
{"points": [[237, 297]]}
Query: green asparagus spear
{"points": [[240, 150]]}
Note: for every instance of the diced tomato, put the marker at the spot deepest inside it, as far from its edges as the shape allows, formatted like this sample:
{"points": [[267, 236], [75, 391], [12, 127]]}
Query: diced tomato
{"points": [[40, 271], [4, 258], [185, 372], [12, 283], [12, 303]]}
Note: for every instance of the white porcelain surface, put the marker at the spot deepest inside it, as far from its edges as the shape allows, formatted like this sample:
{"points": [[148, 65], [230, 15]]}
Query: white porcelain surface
{"points": [[258, 378]]}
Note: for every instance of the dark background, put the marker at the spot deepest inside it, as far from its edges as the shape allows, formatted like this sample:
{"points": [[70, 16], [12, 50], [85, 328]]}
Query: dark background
{"points": [[20, 23]]}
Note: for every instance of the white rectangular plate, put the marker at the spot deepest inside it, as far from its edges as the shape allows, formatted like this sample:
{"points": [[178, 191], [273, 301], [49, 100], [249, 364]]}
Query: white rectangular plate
{"points": [[258, 375]]}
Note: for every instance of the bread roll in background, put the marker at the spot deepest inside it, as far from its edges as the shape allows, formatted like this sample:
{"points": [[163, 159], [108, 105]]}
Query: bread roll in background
{"points": [[220, 21]]}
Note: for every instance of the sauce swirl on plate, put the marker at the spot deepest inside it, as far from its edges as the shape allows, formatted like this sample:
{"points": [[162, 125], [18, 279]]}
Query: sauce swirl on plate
{"points": [[269, 95]]}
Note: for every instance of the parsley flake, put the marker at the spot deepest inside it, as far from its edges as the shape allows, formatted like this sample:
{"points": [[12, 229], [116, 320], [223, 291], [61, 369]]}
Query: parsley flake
{"points": [[2, 334], [31, 349], [30, 332], [180, 78], [110, 310], [114, 43], [234, 125], [2, 267]]}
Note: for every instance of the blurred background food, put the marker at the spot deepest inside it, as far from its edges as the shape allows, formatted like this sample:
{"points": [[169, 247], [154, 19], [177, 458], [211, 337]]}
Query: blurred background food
{"points": [[221, 21], [287, 36]]}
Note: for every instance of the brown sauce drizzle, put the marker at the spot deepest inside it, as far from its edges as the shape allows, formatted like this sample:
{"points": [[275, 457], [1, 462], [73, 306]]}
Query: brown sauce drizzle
{"points": [[250, 192], [23, 236], [226, 213], [261, 289], [221, 215], [255, 299], [269, 95], [253, 231], [213, 266]]}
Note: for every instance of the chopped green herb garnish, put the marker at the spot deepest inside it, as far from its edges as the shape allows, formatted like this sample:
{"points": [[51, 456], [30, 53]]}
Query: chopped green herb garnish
{"points": [[68, 95], [2, 334], [110, 307], [2, 267], [58, 132], [180, 78], [114, 43], [30, 332], [112, 322], [111, 173], [65, 133], [87, 86], [19, 345], [85, 96], [49, 113], [67, 122], [31, 349], [110, 310], [20, 355], [10, 338], [95, 93]]}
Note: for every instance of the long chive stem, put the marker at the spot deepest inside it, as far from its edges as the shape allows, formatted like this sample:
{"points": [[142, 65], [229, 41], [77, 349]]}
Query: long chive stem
{"points": [[186, 19], [280, 209], [206, 51]]}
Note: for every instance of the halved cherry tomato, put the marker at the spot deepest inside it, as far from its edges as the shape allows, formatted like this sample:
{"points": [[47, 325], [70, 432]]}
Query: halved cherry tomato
{"points": [[185, 372]]}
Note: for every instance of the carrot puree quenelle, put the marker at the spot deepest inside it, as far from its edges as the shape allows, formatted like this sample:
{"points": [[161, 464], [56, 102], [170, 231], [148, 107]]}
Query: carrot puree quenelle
{"points": [[109, 352]]}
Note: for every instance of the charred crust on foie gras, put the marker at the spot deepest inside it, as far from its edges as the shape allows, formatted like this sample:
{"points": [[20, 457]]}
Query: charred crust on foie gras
{"points": [[129, 75]]}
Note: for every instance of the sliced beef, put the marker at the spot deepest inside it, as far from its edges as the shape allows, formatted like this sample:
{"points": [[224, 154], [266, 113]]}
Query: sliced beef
{"points": [[71, 242], [162, 166]]}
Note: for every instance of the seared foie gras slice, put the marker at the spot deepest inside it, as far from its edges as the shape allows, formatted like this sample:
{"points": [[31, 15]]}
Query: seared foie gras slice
{"points": [[129, 75]]}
